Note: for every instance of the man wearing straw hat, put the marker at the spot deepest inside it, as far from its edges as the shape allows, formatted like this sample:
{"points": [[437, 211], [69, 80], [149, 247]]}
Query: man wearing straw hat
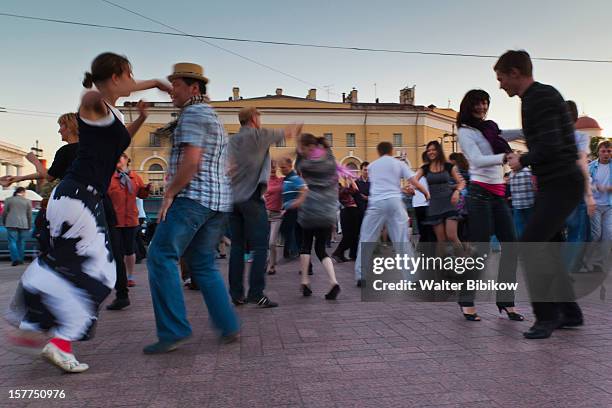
{"points": [[196, 201]]}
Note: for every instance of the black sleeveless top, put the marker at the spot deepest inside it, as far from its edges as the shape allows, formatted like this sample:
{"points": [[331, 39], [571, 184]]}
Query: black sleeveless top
{"points": [[99, 150]]}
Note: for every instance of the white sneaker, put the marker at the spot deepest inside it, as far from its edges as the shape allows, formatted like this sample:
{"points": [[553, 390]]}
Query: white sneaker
{"points": [[65, 361]]}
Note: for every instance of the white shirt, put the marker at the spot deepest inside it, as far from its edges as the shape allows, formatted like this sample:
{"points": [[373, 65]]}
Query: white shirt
{"points": [[485, 166], [140, 206], [385, 176], [419, 198], [602, 178]]}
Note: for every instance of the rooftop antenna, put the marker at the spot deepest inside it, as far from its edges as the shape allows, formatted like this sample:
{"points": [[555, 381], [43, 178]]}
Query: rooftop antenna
{"points": [[449, 101], [327, 88], [375, 93]]}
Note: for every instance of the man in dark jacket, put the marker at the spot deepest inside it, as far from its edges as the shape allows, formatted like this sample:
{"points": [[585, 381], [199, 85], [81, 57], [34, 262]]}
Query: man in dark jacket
{"points": [[549, 133]]}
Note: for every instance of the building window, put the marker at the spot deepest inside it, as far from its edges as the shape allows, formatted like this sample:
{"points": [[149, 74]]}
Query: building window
{"points": [[156, 167], [281, 143], [329, 137], [353, 168], [156, 173], [350, 140], [397, 140], [156, 178], [154, 140]]}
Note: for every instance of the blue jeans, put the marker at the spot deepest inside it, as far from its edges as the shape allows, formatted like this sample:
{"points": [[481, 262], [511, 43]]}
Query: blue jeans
{"points": [[578, 224], [521, 218], [190, 231], [495, 244], [601, 230], [249, 225], [16, 242], [578, 230]]}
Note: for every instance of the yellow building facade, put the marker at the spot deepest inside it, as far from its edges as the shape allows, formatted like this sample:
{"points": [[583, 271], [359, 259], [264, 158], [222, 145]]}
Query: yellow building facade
{"points": [[353, 129]]}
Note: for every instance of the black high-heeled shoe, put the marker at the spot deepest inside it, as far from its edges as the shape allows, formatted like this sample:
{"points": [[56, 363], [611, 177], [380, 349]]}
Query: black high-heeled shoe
{"points": [[306, 291], [511, 315], [333, 293], [471, 317]]}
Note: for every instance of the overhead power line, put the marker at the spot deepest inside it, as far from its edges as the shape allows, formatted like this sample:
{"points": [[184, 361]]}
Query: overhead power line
{"points": [[9, 112], [32, 111], [28, 112], [180, 33], [201, 39]]}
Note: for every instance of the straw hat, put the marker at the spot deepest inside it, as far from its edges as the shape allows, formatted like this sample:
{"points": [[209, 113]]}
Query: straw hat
{"points": [[188, 70]]}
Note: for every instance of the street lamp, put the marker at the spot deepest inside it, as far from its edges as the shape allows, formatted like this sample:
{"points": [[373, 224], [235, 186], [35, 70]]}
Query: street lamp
{"points": [[453, 138], [38, 152]]}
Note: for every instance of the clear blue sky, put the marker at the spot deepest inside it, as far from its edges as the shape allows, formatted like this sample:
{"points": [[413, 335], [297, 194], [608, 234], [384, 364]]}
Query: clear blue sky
{"points": [[43, 63]]}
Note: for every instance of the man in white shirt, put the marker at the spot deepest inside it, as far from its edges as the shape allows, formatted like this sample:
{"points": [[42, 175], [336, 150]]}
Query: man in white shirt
{"points": [[385, 205], [601, 221]]}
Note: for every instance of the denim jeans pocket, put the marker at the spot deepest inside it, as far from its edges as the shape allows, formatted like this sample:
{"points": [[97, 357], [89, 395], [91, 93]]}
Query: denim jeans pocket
{"points": [[187, 212]]}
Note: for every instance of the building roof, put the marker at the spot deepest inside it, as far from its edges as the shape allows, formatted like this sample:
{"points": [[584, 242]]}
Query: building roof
{"points": [[9, 147], [294, 102], [586, 122]]}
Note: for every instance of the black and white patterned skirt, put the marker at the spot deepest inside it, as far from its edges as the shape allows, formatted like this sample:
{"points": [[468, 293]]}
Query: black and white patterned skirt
{"points": [[62, 290]]}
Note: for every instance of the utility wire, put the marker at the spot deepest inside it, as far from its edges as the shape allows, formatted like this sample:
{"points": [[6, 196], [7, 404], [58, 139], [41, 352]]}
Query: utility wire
{"points": [[31, 111], [7, 112], [224, 49], [180, 33], [201, 39]]}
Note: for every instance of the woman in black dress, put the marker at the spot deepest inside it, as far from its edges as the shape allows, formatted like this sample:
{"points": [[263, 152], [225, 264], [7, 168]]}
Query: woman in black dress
{"points": [[63, 289]]}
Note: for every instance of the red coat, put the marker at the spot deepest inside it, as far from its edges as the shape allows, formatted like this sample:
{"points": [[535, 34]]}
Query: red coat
{"points": [[124, 202]]}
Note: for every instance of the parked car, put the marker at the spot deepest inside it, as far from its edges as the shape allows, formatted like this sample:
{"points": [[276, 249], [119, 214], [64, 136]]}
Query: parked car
{"points": [[31, 242], [151, 207]]}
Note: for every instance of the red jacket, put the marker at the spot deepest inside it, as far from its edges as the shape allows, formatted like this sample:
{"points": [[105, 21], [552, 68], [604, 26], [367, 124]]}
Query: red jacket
{"points": [[124, 202]]}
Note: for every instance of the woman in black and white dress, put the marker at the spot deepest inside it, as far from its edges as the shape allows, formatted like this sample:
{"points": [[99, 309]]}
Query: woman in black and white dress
{"points": [[63, 289]]}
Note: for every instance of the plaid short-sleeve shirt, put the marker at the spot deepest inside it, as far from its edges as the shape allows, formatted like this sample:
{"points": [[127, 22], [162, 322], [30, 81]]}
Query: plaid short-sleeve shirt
{"points": [[198, 125], [522, 189]]}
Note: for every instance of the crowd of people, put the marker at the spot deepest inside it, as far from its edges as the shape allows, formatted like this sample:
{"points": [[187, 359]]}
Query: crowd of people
{"points": [[221, 187]]}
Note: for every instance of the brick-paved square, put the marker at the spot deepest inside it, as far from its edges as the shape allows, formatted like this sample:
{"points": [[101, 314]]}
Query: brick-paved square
{"points": [[310, 352]]}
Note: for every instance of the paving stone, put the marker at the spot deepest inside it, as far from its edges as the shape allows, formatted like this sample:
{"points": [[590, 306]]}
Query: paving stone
{"points": [[313, 353]]}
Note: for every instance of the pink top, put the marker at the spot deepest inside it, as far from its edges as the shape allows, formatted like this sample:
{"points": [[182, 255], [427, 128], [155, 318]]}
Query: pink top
{"points": [[273, 194], [497, 189]]}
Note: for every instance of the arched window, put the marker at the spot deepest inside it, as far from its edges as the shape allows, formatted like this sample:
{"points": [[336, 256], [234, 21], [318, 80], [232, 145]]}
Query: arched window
{"points": [[156, 175], [353, 168]]}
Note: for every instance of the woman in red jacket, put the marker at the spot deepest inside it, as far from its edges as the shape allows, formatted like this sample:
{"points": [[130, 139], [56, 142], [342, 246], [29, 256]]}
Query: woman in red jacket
{"points": [[125, 186]]}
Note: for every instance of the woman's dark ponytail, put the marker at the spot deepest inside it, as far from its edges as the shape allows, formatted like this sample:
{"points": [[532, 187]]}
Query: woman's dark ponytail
{"points": [[88, 80]]}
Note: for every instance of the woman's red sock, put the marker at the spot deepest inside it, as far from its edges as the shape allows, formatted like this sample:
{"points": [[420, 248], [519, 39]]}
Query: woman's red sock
{"points": [[64, 345]]}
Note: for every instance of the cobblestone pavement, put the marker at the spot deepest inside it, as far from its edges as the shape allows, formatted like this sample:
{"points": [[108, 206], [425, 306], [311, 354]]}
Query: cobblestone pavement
{"points": [[315, 353]]}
